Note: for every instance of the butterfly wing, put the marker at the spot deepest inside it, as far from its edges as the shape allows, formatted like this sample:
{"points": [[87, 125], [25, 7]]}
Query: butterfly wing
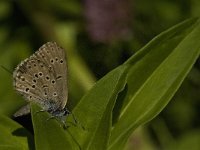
{"points": [[42, 77], [24, 110]]}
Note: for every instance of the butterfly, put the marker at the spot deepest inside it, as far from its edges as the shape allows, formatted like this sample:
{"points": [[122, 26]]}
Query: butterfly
{"points": [[42, 79]]}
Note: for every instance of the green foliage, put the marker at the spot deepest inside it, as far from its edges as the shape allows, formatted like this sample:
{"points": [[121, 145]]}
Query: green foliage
{"points": [[14, 136], [137, 91]]}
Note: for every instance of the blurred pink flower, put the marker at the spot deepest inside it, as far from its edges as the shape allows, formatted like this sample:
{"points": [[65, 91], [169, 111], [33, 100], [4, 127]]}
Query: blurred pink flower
{"points": [[107, 20]]}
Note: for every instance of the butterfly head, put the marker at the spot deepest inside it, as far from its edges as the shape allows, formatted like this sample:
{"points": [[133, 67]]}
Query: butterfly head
{"points": [[61, 114]]}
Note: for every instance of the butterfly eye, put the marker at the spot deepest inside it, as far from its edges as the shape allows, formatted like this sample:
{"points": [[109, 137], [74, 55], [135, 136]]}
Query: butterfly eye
{"points": [[33, 86], [61, 61]]}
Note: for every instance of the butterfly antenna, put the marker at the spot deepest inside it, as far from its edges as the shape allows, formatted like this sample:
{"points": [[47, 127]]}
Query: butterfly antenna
{"points": [[6, 69]]}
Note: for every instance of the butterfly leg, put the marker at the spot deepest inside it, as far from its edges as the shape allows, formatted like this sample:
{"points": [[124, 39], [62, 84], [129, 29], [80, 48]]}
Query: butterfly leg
{"points": [[52, 117]]}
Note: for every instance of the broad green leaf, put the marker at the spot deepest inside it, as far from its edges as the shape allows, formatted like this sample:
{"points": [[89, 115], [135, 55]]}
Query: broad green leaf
{"points": [[94, 111], [50, 134], [13, 136], [155, 75]]}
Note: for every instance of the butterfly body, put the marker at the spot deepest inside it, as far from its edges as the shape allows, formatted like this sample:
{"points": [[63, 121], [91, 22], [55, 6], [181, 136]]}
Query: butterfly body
{"points": [[42, 79]]}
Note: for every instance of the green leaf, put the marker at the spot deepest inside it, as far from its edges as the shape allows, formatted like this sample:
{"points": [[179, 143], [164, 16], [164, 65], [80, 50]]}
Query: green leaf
{"points": [[50, 134], [14, 136], [95, 109], [155, 74]]}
